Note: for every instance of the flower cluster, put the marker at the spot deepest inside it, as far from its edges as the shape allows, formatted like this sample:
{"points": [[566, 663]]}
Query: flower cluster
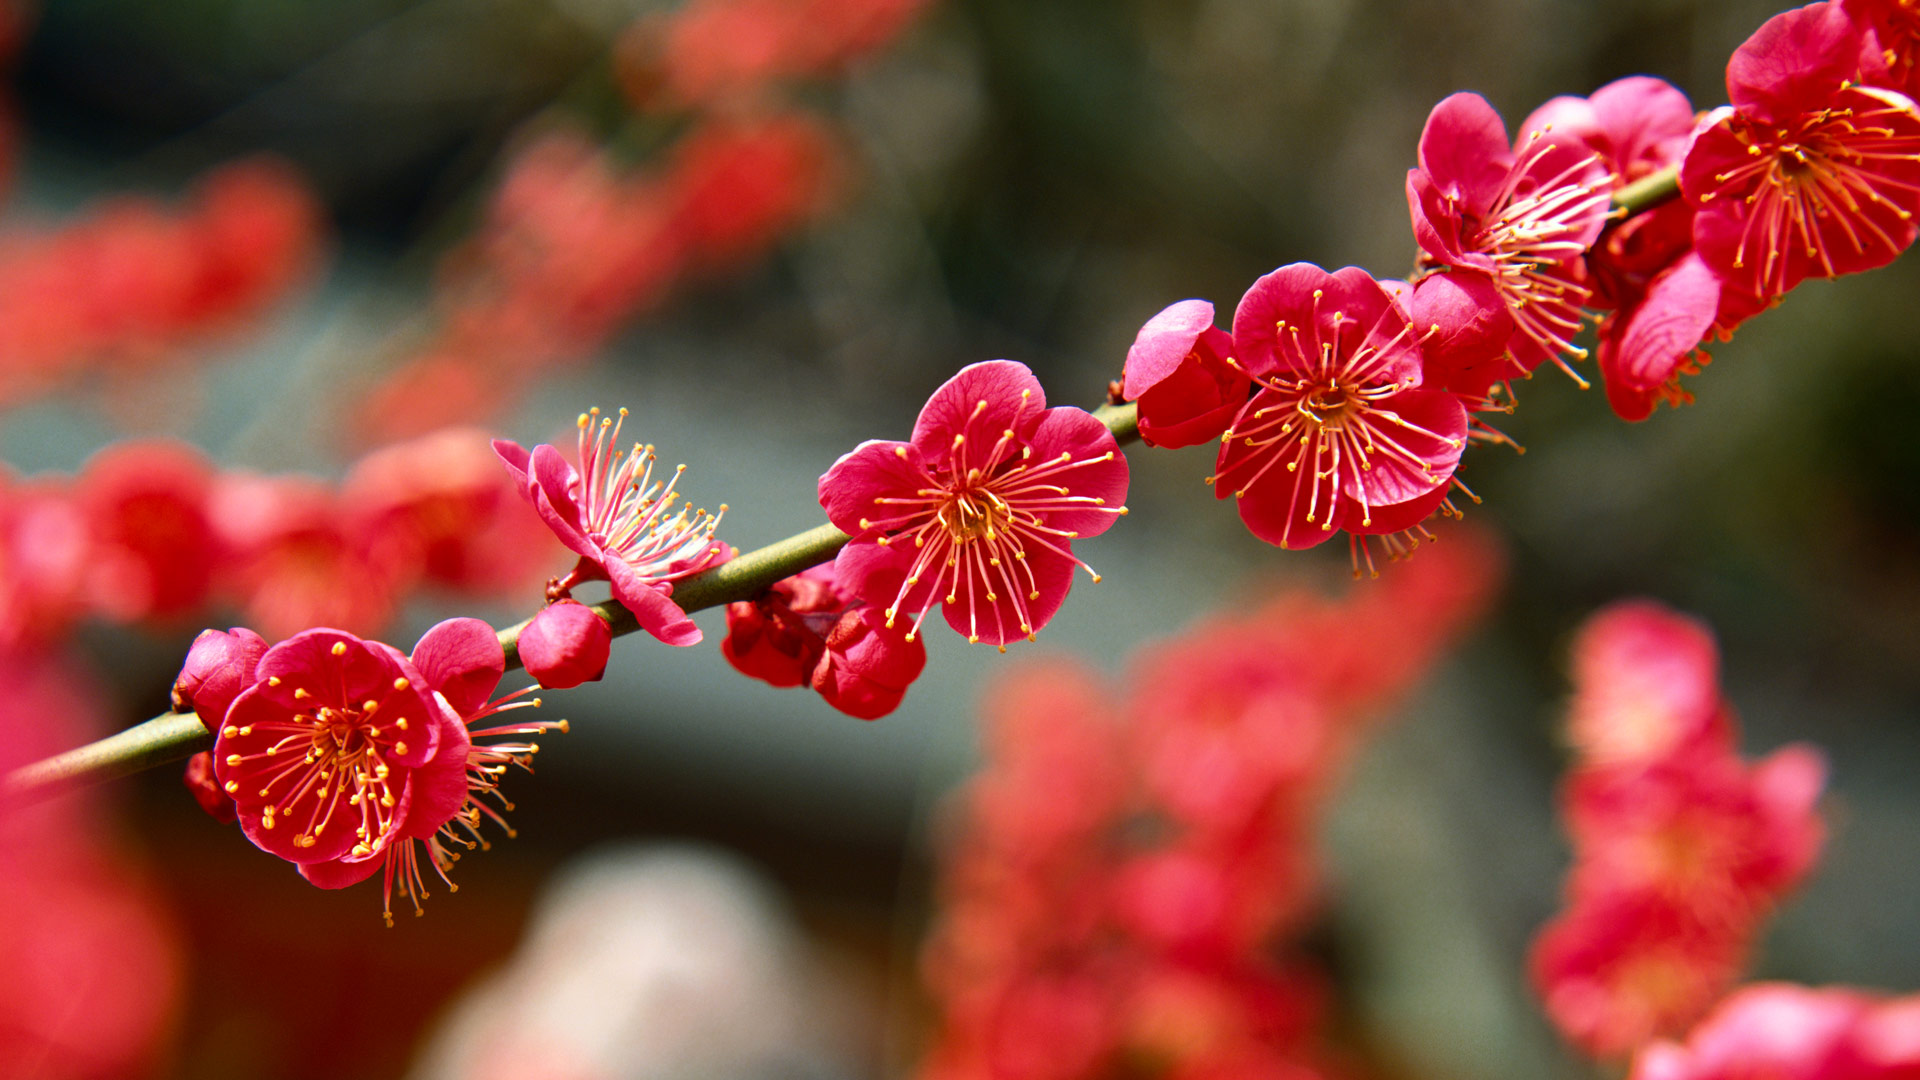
{"points": [[1682, 848], [1339, 410], [1126, 881], [348, 758], [805, 630], [131, 282], [1788, 1032], [978, 512], [151, 532]]}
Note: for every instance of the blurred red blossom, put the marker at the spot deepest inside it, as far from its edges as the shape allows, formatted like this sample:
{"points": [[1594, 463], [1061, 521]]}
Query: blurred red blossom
{"points": [[132, 282], [1682, 848], [1123, 879], [1786, 1032], [711, 51], [92, 955]]}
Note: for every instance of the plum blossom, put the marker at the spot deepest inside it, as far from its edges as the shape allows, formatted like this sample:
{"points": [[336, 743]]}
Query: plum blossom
{"points": [[1519, 217], [1341, 433], [979, 510], [628, 528], [1807, 173]]}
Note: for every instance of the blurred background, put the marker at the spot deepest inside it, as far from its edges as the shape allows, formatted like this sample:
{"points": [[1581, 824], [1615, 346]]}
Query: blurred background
{"points": [[787, 260]]}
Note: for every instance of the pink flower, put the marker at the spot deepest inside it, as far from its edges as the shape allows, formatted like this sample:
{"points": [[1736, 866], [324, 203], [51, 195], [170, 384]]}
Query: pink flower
{"points": [[1774, 1030], [344, 752], [1896, 32], [1181, 371], [1340, 434], [338, 750], [1626, 969], [779, 636], [1521, 216], [155, 549], [979, 510], [620, 521], [1654, 338], [1806, 174], [565, 645], [205, 788], [806, 629]]}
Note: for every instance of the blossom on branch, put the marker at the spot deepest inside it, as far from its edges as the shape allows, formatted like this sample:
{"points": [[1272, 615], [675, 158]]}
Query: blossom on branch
{"points": [[629, 529], [1182, 373], [807, 630], [1520, 217], [1807, 173], [1341, 433], [343, 752], [979, 510]]}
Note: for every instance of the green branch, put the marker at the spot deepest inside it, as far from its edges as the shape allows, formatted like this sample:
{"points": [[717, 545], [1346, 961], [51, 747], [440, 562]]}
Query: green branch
{"points": [[1648, 192], [176, 736]]}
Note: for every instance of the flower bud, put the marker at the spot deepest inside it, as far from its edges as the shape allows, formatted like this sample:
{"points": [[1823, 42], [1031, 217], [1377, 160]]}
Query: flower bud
{"points": [[219, 666], [565, 645], [867, 666], [206, 791]]}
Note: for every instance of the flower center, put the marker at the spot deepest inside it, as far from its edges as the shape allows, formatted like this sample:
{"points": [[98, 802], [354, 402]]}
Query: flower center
{"points": [[974, 513], [1331, 407]]}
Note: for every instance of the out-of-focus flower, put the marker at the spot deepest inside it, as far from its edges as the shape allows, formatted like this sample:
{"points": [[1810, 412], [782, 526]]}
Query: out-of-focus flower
{"points": [[133, 281], [1788, 1032], [438, 508], [1646, 687], [45, 558], [711, 51], [620, 521], [1682, 848], [1806, 174], [1117, 895], [565, 645], [298, 561], [739, 185], [979, 510], [93, 959], [1627, 968], [1341, 434], [155, 550], [1181, 371]]}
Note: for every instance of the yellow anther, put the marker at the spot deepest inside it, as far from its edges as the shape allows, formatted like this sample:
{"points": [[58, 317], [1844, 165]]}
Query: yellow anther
{"points": [[401, 683], [339, 648]]}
